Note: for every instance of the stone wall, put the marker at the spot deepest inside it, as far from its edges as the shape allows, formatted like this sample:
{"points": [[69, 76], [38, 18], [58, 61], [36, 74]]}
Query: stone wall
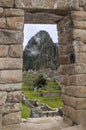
{"points": [[72, 58], [11, 39], [72, 53]]}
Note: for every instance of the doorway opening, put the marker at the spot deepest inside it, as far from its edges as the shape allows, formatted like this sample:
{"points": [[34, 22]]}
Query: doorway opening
{"points": [[41, 89]]}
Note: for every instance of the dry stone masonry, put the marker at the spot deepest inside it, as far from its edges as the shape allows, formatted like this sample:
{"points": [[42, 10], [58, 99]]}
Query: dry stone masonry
{"points": [[70, 15]]}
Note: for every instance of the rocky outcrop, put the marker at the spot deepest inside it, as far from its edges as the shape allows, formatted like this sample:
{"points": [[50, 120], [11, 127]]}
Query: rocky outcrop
{"points": [[40, 52]]}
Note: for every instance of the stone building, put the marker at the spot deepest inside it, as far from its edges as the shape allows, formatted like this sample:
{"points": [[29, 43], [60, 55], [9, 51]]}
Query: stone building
{"points": [[70, 15]]}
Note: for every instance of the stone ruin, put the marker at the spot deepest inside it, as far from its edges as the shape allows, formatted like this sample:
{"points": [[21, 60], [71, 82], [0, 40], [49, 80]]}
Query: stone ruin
{"points": [[38, 109], [70, 16]]}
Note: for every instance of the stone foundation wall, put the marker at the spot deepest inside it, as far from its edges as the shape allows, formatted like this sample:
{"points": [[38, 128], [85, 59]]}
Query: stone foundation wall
{"points": [[72, 53]]}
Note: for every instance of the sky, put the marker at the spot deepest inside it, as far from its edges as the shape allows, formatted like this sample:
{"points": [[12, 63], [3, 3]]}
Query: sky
{"points": [[31, 29]]}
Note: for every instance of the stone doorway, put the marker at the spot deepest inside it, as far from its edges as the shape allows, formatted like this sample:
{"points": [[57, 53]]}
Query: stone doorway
{"points": [[72, 53]]}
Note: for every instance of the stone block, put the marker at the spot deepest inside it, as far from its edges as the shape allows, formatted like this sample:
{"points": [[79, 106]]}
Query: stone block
{"points": [[11, 118], [79, 47], [67, 5], [76, 91], [10, 76], [1, 11], [65, 79], [77, 116], [45, 4], [82, 3], [16, 51], [14, 97], [6, 3], [78, 79], [3, 50], [76, 103], [11, 87], [67, 69], [10, 63], [3, 97], [63, 59], [67, 121], [11, 107], [79, 34], [80, 68], [14, 12], [11, 36], [78, 15], [15, 23], [60, 4], [80, 58], [79, 24], [2, 23]]}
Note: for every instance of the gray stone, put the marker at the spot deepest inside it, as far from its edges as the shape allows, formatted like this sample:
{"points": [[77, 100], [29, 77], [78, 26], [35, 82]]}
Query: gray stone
{"points": [[11, 118], [16, 51], [11, 76], [3, 50], [6, 3], [76, 91], [10, 63], [14, 97], [15, 23], [11, 107], [10, 37], [14, 12], [10, 87], [3, 97]]}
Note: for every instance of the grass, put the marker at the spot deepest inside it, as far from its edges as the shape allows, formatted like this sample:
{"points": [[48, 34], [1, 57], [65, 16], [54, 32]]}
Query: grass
{"points": [[54, 102], [25, 111]]}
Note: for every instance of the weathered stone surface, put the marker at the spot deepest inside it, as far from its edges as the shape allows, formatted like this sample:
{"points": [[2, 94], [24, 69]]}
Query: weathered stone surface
{"points": [[10, 76], [78, 15], [10, 87], [42, 18], [2, 23], [77, 116], [45, 4], [67, 4], [79, 24], [14, 12], [77, 103], [10, 63], [67, 69], [79, 47], [3, 50], [76, 91], [72, 69], [79, 79], [3, 96], [65, 79], [11, 107], [15, 23], [82, 2], [63, 59], [80, 57], [65, 49], [79, 34], [16, 51], [67, 120], [6, 3], [1, 11], [14, 97], [11, 118], [0, 120], [10, 36]]}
